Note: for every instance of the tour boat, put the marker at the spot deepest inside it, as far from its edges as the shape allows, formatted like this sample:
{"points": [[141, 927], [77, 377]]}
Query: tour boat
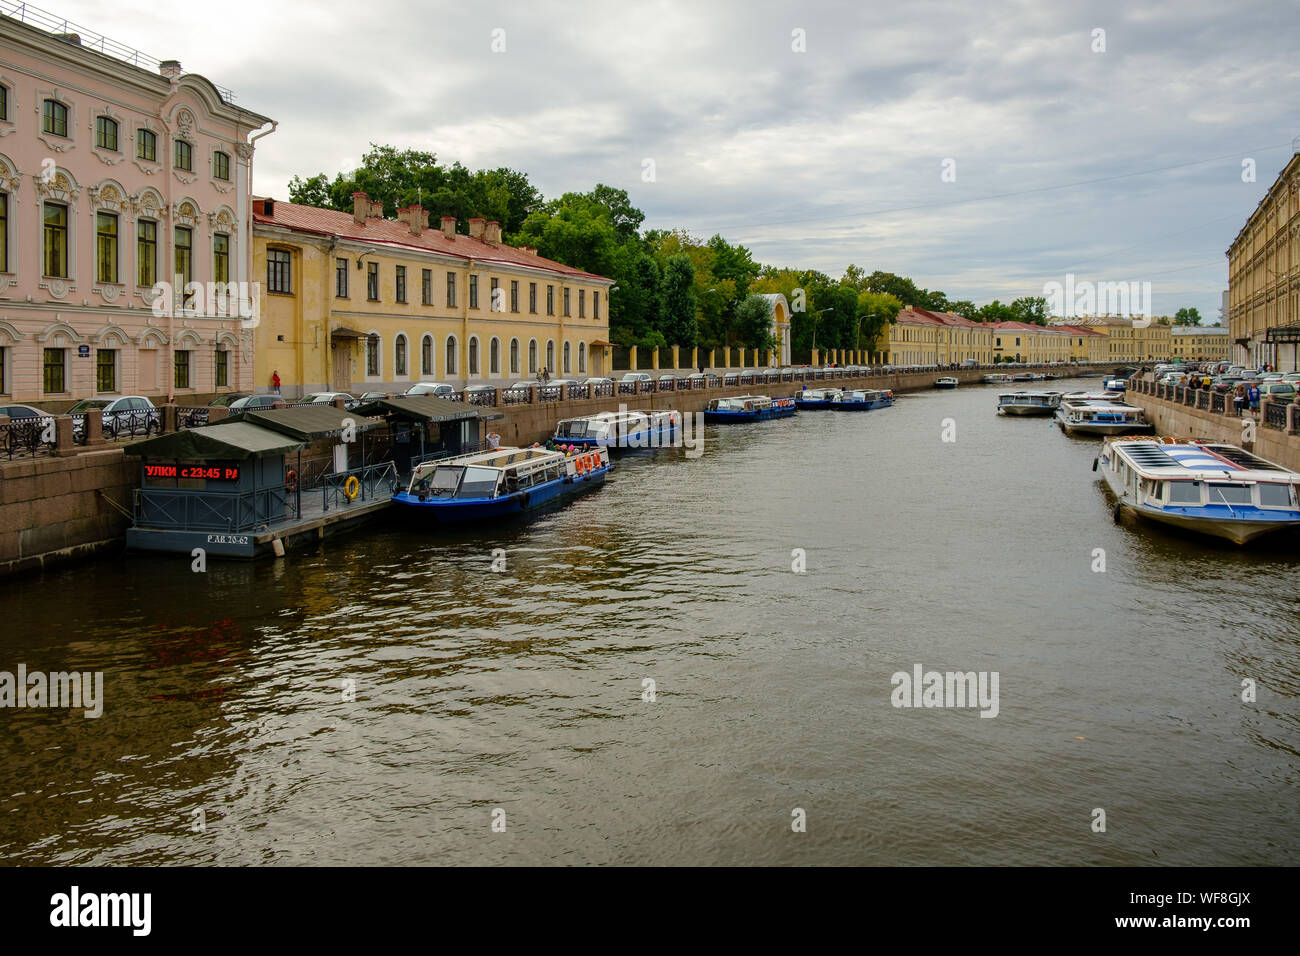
{"points": [[620, 430], [997, 378], [1100, 417], [504, 481], [1216, 489], [747, 408], [845, 400], [1115, 384], [945, 382], [1091, 396], [1028, 403]]}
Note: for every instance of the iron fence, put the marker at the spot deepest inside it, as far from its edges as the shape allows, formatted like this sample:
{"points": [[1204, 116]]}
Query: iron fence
{"points": [[373, 482], [27, 438], [1275, 415]]}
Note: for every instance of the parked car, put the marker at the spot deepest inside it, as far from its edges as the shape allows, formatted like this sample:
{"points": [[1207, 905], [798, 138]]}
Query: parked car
{"points": [[252, 402], [327, 398], [440, 389], [372, 396], [668, 378], [473, 392], [1278, 391], [20, 413], [636, 377], [226, 400], [597, 380], [130, 414]]}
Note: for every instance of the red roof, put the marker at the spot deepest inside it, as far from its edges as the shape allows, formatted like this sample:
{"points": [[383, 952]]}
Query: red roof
{"points": [[1027, 327], [391, 232]]}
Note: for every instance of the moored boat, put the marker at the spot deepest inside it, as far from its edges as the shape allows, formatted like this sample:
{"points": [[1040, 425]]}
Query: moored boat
{"points": [[504, 481], [946, 382], [844, 400], [997, 378], [747, 408], [1116, 384], [1100, 417], [621, 430], [1212, 488], [1028, 403]]}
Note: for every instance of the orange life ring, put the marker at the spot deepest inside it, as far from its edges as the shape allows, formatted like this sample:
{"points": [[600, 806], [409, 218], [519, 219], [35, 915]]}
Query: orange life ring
{"points": [[351, 487], [578, 465], [290, 480]]}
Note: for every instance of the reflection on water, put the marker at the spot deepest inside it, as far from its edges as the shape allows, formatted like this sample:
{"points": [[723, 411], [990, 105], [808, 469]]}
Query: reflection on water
{"points": [[527, 690]]}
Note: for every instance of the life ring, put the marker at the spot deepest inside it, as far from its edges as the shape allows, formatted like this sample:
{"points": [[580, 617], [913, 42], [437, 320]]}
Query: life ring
{"points": [[579, 465], [351, 487], [290, 480], [596, 462]]}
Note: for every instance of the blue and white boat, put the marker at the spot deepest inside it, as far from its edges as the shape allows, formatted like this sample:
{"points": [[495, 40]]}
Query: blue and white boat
{"points": [[1212, 488], [621, 431], [747, 408], [1116, 384], [1101, 417], [501, 482], [845, 400], [1029, 403]]}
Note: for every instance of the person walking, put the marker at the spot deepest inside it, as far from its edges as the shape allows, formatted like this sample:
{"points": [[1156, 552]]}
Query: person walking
{"points": [[1239, 398], [1253, 395], [275, 381]]}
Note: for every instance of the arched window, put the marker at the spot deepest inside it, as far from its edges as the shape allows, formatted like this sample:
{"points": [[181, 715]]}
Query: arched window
{"points": [[582, 356], [514, 356], [566, 358], [550, 356], [494, 357], [450, 365], [372, 354], [532, 356], [426, 355], [399, 356], [473, 355]]}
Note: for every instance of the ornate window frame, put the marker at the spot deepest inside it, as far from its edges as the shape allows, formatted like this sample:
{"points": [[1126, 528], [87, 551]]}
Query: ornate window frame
{"points": [[148, 166], [184, 123], [221, 185], [148, 203], [110, 196], [107, 156], [9, 125], [60, 187], [221, 221], [57, 144], [10, 180]]}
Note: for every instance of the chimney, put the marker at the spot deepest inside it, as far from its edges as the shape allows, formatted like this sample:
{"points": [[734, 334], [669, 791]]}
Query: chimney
{"points": [[404, 214], [476, 228], [416, 218], [360, 206], [268, 207], [168, 67], [376, 209], [75, 40], [493, 232], [449, 226]]}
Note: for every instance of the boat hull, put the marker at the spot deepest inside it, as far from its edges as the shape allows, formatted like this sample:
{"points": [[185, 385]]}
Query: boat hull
{"points": [[1026, 410], [457, 511], [664, 437], [757, 415], [845, 406], [1103, 428], [1211, 520]]}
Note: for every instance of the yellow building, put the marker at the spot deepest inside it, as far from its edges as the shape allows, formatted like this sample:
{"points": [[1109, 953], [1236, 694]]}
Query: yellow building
{"points": [[1129, 342], [1201, 343], [1264, 278], [1034, 344], [354, 302], [1085, 345], [925, 337]]}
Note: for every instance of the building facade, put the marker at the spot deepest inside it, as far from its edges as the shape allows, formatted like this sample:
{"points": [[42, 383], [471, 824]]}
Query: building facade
{"points": [[114, 178], [1026, 342], [355, 302], [1264, 278], [926, 337], [1201, 343], [1129, 342]]}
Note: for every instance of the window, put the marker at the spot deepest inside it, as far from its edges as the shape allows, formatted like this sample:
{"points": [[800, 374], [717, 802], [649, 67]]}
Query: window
{"points": [[105, 247], [399, 356], [514, 295], [372, 355], [494, 357], [1229, 494], [550, 356], [372, 281], [567, 313], [146, 145], [582, 303], [220, 257], [279, 271], [495, 303], [341, 277], [473, 292], [146, 252], [106, 370], [4, 102], [595, 304], [184, 156], [514, 356], [56, 242], [426, 355], [106, 133], [532, 356], [426, 287], [532, 297], [222, 368], [473, 355], [185, 254], [54, 119], [221, 165], [566, 358], [450, 368], [52, 371], [550, 300], [182, 368], [399, 281], [582, 357], [4, 229], [451, 290]]}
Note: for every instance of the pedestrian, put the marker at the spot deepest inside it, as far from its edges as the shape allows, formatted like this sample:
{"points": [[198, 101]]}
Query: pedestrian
{"points": [[275, 381], [1253, 394], [546, 375], [1239, 398]]}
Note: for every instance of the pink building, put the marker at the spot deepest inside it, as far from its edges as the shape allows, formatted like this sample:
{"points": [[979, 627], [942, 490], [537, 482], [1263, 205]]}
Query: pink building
{"points": [[117, 172]]}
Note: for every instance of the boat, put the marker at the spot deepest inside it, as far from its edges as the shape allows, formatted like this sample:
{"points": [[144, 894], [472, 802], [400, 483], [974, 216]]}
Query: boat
{"points": [[1028, 377], [1028, 403], [500, 482], [1115, 384], [946, 382], [1091, 396], [621, 430], [1208, 487], [997, 378], [844, 400], [747, 408], [1100, 417]]}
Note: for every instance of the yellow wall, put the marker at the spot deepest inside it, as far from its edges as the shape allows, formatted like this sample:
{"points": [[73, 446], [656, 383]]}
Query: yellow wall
{"points": [[1264, 273]]}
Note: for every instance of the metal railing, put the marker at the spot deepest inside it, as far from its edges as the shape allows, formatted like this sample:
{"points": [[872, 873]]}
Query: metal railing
{"points": [[192, 417], [373, 481], [186, 509], [27, 438], [1275, 415]]}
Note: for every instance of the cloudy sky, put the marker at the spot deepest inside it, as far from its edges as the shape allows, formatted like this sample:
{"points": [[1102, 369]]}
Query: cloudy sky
{"points": [[814, 133]]}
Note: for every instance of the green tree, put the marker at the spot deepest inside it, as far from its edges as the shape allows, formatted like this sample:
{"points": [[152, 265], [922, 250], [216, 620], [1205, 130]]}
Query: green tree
{"points": [[680, 325], [1032, 310], [876, 310], [1187, 316], [753, 322]]}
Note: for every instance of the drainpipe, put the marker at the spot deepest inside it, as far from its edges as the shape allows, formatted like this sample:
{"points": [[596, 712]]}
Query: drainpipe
{"points": [[248, 218]]}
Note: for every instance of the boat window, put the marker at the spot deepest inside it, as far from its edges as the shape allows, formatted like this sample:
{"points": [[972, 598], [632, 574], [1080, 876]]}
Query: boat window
{"points": [[1184, 493], [1229, 494], [445, 479], [1274, 496], [478, 483]]}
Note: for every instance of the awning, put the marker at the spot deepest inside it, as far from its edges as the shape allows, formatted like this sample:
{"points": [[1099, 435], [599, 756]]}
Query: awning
{"points": [[345, 333], [224, 441], [425, 408], [307, 422], [601, 345], [1289, 334]]}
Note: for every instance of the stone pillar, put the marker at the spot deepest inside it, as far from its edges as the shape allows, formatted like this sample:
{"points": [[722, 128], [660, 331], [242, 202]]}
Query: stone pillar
{"points": [[816, 357], [695, 358], [726, 358], [169, 418], [654, 360], [676, 362], [496, 399], [631, 361], [63, 444], [218, 413], [94, 429], [280, 403], [340, 404], [564, 392]]}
